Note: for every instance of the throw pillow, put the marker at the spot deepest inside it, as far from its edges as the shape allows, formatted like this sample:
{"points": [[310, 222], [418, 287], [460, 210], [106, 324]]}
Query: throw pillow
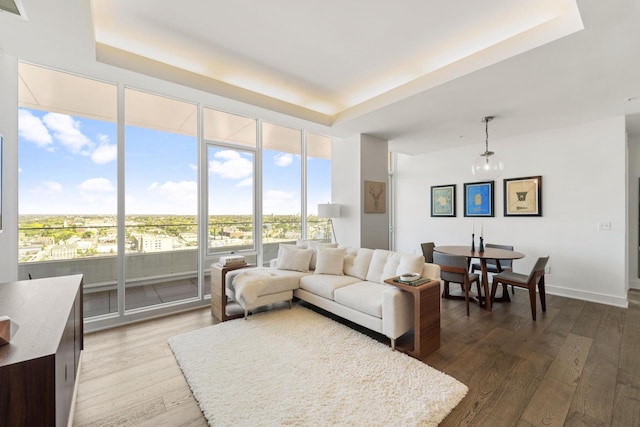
{"points": [[315, 245], [330, 261], [294, 258]]}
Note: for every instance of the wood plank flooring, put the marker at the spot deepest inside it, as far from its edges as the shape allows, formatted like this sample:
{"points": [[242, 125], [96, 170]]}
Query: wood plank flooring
{"points": [[579, 364]]}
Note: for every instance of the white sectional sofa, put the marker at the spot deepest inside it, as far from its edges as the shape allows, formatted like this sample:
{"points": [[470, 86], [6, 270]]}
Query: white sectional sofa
{"points": [[348, 282]]}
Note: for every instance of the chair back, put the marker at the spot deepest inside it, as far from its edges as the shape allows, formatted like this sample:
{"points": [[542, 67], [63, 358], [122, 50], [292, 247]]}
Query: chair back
{"points": [[453, 268], [504, 263], [538, 269], [427, 251]]}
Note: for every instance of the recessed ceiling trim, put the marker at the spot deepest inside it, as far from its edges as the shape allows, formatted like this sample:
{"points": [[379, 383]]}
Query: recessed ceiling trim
{"points": [[129, 61]]}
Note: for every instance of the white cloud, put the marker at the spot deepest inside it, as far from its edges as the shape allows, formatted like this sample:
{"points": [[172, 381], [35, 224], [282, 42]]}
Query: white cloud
{"points": [[178, 192], [231, 166], [32, 129], [281, 202], [100, 185], [67, 131], [98, 190], [283, 159], [247, 182], [49, 188], [193, 167], [105, 153]]}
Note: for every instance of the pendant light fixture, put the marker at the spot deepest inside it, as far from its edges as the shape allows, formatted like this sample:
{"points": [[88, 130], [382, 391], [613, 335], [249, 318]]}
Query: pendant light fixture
{"points": [[488, 166]]}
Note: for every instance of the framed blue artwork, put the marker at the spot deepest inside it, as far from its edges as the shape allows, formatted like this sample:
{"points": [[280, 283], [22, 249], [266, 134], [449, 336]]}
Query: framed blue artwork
{"points": [[478, 199]]}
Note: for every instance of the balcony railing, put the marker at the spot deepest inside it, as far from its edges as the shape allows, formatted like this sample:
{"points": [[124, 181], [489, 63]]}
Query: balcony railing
{"points": [[151, 277]]}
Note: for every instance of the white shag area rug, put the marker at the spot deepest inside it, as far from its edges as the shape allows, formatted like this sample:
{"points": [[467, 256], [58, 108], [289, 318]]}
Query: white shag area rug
{"points": [[297, 367]]}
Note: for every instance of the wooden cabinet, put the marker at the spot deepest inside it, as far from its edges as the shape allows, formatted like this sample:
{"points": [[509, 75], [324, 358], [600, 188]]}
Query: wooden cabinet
{"points": [[39, 368], [220, 307]]}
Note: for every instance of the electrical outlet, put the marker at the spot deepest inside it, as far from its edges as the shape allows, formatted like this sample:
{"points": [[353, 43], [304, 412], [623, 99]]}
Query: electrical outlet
{"points": [[547, 269], [604, 225]]}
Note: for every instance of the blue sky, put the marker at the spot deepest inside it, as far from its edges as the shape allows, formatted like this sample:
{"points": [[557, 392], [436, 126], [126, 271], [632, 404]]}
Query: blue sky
{"points": [[67, 165]]}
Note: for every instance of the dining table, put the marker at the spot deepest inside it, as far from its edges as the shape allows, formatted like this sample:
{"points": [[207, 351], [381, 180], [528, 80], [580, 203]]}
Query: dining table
{"points": [[486, 254]]}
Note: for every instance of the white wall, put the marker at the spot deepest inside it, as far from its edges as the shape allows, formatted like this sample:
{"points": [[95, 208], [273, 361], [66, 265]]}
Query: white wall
{"points": [[354, 160], [634, 200], [583, 171], [345, 189], [9, 130], [374, 227]]}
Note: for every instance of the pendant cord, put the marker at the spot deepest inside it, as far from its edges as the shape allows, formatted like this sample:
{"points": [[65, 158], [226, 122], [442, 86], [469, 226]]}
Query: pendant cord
{"points": [[486, 131]]}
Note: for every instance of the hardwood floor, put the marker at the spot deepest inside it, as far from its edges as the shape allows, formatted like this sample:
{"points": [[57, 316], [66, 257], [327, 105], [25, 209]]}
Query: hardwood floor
{"points": [[577, 365]]}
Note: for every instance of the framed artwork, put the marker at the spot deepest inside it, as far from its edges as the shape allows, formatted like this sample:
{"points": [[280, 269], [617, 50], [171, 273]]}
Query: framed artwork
{"points": [[443, 200], [375, 197], [478, 199], [523, 196]]}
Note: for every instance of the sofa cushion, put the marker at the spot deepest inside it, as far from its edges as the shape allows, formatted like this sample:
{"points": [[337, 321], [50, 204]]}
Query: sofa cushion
{"points": [[356, 262], [294, 258], [324, 285], [386, 264], [314, 245], [278, 280], [330, 261], [362, 296]]}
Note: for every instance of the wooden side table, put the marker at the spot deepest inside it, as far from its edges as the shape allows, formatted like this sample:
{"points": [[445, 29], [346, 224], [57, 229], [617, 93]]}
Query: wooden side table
{"points": [[220, 309], [426, 318]]}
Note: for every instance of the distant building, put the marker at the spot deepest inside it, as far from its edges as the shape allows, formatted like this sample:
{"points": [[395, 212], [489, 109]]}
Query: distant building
{"points": [[68, 251], [150, 243]]}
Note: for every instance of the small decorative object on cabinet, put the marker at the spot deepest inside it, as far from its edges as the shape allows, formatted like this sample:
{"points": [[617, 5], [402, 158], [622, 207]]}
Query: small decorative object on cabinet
{"points": [[8, 329]]}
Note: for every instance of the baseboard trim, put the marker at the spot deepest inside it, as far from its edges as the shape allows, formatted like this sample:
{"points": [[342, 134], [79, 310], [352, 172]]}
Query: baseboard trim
{"points": [[587, 296], [634, 284]]}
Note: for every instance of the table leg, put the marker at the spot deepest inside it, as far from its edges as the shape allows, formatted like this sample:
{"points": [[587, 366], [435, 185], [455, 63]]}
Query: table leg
{"points": [[485, 284]]}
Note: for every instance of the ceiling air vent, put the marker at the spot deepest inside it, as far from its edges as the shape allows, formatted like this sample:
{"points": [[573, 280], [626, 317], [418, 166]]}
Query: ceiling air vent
{"points": [[12, 6]]}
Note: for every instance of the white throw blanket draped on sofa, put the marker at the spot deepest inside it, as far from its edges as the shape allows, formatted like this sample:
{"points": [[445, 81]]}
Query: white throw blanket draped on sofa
{"points": [[250, 284]]}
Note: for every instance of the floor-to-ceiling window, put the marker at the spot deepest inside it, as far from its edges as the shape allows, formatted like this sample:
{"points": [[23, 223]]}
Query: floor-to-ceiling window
{"points": [[161, 199], [231, 142], [281, 187], [80, 167], [67, 182], [318, 186]]}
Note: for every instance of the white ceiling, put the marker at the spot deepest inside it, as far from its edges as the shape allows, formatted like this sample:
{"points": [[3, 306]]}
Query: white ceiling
{"points": [[327, 55], [421, 73]]}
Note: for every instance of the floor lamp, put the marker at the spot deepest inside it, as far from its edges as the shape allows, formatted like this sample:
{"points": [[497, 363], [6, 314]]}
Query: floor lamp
{"points": [[329, 210]]}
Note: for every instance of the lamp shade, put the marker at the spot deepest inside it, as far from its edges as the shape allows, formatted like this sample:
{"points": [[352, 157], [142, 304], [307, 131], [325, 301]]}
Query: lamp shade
{"points": [[329, 210], [487, 167]]}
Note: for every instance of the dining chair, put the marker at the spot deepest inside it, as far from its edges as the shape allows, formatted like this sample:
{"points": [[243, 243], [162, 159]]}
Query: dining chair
{"points": [[535, 278], [454, 269], [495, 266], [427, 251]]}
